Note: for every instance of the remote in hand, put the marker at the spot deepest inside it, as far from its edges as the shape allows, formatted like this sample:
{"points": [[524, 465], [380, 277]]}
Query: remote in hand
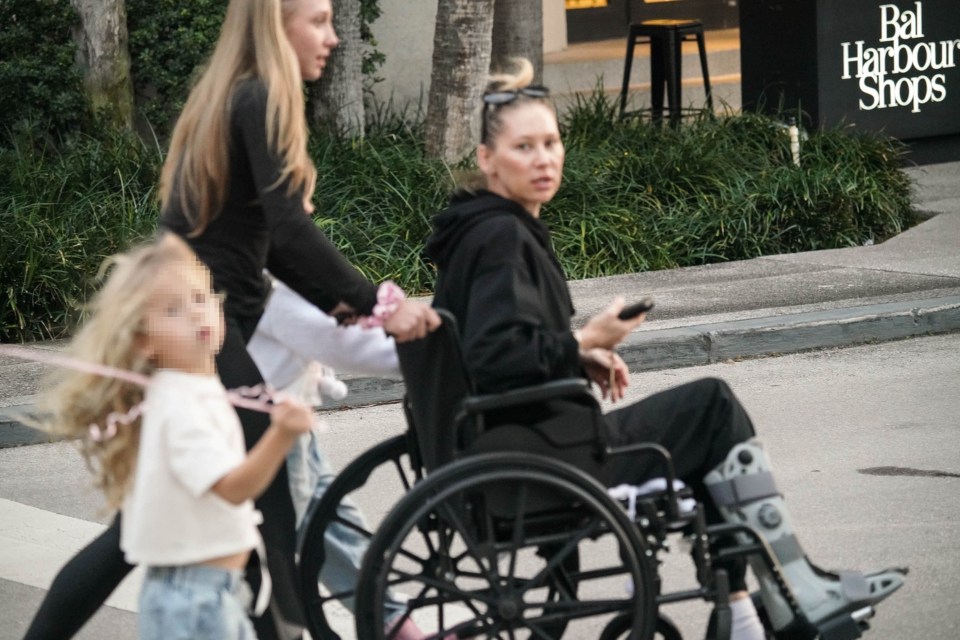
{"points": [[633, 310]]}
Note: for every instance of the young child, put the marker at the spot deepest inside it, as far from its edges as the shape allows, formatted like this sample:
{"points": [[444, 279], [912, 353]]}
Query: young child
{"points": [[172, 455], [297, 347]]}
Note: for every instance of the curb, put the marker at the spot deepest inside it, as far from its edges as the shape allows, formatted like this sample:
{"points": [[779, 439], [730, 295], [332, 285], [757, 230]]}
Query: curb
{"points": [[15, 434], [697, 345], [690, 346], [758, 337]]}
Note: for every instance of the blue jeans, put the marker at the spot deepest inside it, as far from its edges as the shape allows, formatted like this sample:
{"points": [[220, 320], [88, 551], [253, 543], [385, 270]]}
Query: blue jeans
{"points": [[310, 473], [194, 602]]}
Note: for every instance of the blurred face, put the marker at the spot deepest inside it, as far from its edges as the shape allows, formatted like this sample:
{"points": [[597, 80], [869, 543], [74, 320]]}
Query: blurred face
{"points": [[524, 162], [309, 28], [183, 324]]}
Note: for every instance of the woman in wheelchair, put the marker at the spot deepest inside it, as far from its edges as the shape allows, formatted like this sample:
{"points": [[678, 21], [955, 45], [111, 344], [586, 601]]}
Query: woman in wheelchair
{"points": [[499, 277]]}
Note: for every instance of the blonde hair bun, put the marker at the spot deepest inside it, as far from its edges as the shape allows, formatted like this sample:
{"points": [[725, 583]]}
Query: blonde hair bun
{"points": [[521, 77]]}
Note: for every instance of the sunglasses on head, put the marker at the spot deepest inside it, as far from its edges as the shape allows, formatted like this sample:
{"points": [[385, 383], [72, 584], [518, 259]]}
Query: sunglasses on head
{"points": [[498, 98]]}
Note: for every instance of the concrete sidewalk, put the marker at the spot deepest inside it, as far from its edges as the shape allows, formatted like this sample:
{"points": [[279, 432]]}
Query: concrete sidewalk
{"points": [[907, 286]]}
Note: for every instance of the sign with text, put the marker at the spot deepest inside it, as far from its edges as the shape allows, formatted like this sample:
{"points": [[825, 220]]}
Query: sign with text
{"points": [[890, 65]]}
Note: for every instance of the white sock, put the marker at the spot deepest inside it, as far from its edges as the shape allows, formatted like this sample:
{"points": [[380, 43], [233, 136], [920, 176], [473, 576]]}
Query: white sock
{"points": [[746, 624]]}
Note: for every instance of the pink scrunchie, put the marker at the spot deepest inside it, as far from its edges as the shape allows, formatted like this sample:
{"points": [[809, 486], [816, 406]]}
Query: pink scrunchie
{"points": [[389, 297]]}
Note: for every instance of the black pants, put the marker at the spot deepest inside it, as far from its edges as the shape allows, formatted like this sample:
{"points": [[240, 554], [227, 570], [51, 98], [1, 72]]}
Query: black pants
{"points": [[698, 423], [85, 582]]}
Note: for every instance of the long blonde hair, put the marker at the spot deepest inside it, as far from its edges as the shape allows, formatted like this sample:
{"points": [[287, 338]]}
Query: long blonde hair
{"points": [[252, 44], [74, 400]]}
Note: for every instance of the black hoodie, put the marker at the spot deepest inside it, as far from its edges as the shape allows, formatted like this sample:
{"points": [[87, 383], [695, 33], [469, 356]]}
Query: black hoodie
{"points": [[498, 275], [262, 225]]}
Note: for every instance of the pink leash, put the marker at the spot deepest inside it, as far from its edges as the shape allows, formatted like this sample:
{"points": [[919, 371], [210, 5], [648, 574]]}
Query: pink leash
{"points": [[256, 398]]}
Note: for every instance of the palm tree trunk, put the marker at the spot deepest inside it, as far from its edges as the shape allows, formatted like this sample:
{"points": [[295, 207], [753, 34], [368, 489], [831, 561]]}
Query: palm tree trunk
{"points": [[336, 101], [461, 61], [102, 50], [518, 33]]}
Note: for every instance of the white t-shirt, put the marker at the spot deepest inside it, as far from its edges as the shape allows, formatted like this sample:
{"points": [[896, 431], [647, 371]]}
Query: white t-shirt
{"points": [[190, 437]]}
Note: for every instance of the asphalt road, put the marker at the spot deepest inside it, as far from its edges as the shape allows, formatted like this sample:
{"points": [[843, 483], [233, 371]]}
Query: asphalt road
{"points": [[864, 441]]}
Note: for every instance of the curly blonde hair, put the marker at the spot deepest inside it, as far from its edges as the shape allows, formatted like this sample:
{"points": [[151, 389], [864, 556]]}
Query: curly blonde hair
{"points": [[74, 400]]}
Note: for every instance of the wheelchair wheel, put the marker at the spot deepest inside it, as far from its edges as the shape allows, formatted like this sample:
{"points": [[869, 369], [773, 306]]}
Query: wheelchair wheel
{"points": [[478, 557], [619, 629], [382, 470]]}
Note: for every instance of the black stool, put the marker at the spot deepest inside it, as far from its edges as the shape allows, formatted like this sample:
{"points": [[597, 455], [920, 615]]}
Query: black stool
{"points": [[665, 38]]}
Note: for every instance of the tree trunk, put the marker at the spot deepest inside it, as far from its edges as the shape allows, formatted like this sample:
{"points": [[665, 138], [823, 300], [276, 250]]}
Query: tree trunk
{"points": [[336, 101], [102, 51], [461, 61], [518, 33]]}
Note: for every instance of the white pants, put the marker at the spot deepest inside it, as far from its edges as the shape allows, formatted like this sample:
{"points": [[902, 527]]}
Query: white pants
{"points": [[291, 335]]}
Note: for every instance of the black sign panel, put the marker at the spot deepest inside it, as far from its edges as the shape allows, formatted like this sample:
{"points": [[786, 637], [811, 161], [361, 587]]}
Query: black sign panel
{"points": [[883, 65]]}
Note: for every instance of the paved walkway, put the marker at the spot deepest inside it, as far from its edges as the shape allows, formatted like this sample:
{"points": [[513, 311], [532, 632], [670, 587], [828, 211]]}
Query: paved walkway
{"points": [[906, 286]]}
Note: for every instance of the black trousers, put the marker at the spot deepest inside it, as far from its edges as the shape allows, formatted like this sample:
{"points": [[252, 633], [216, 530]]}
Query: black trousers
{"points": [[698, 423], [85, 582]]}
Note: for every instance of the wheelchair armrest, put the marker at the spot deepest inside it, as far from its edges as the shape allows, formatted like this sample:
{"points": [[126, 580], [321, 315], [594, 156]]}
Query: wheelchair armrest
{"points": [[565, 388]]}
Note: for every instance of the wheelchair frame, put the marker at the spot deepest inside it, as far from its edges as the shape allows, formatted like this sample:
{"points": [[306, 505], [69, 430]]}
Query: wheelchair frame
{"points": [[467, 516]]}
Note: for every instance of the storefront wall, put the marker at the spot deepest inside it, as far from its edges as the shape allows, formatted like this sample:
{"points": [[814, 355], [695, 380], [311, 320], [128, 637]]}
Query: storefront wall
{"points": [[590, 20], [404, 34]]}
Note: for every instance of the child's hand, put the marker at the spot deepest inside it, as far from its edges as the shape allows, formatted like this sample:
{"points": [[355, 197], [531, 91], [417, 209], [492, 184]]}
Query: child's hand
{"points": [[292, 418], [288, 419]]}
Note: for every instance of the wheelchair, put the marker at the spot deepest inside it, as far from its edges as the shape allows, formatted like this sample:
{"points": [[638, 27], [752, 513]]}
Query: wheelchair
{"points": [[502, 527]]}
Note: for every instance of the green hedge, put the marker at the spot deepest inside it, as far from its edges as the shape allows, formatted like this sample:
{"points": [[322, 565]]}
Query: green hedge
{"points": [[62, 211], [634, 198], [168, 40], [42, 87]]}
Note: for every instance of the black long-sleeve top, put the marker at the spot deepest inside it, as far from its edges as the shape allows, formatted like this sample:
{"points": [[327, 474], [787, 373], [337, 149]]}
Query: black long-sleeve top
{"points": [[498, 275], [263, 226]]}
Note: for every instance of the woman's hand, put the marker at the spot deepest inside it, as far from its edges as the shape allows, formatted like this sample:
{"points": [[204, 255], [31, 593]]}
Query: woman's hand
{"points": [[605, 330], [608, 370], [411, 321]]}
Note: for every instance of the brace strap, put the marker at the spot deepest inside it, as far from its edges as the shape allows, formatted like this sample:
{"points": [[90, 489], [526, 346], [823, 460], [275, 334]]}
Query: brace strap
{"points": [[744, 489], [854, 585]]}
